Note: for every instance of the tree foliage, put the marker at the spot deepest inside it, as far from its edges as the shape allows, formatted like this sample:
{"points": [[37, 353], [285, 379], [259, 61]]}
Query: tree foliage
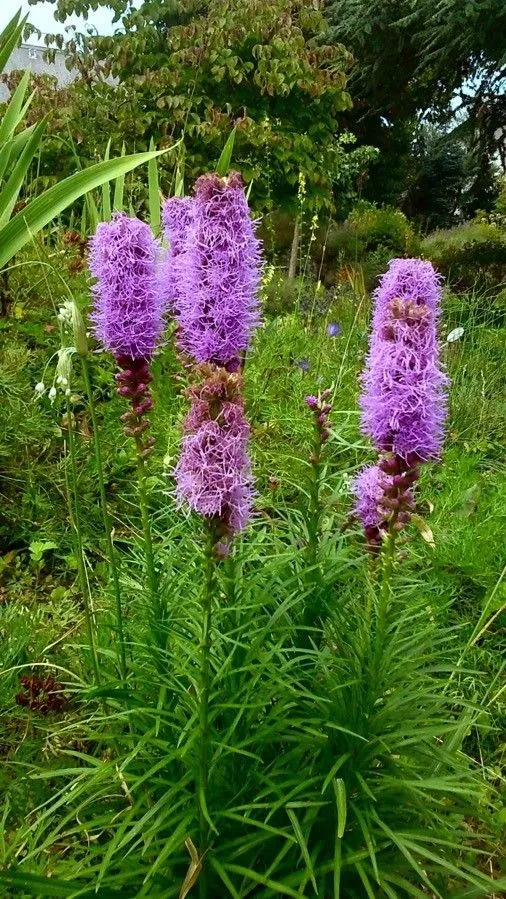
{"points": [[420, 56], [200, 68]]}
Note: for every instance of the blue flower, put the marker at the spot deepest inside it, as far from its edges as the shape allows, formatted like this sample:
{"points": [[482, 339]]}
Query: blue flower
{"points": [[333, 329], [303, 364]]}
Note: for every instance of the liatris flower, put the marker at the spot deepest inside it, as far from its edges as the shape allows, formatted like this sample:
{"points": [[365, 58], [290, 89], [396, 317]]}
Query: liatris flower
{"points": [[219, 273], [177, 216], [403, 401], [213, 474], [322, 409], [128, 314], [383, 498]]}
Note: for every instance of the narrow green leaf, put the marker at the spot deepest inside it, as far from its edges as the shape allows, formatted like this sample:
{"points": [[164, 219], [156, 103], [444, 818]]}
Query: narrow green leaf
{"points": [[368, 839], [204, 809], [12, 149], [335, 768], [119, 188], [179, 173], [226, 155], [365, 880], [40, 211], [106, 190], [337, 867], [12, 115], [303, 846], [39, 886], [10, 37], [10, 191], [220, 870], [277, 887], [154, 193], [340, 791]]}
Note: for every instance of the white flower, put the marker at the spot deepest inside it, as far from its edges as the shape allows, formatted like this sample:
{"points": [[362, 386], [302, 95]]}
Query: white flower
{"points": [[52, 393], [454, 335], [40, 387]]}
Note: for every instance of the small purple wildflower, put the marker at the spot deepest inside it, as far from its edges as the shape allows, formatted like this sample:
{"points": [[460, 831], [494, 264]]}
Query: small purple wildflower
{"points": [[403, 401], [303, 364], [218, 269], [333, 329], [128, 313], [213, 474]]}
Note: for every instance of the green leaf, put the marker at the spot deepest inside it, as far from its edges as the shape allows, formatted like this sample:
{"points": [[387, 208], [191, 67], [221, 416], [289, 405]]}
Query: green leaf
{"points": [[119, 188], [154, 193], [10, 192], [274, 885], [226, 155], [39, 886], [40, 211], [106, 191], [10, 37], [13, 148], [303, 846], [340, 792], [12, 116]]}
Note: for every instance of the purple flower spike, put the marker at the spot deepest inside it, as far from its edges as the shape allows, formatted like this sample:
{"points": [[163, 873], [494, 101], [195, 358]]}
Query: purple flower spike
{"points": [[404, 400], [333, 329], [213, 474], [128, 313], [218, 272], [177, 216]]}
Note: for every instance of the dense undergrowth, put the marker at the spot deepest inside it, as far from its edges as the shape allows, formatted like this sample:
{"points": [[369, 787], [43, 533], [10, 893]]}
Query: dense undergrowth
{"points": [[360, 757]]}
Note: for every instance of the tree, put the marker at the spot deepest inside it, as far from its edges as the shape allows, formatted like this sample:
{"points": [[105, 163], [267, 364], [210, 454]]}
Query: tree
{"points": [[438, 181], [197, 69], [413, 57]]}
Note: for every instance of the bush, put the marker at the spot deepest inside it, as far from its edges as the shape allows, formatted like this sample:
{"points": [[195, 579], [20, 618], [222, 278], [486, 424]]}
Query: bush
{"points": [[370, 236], [472, 254]]}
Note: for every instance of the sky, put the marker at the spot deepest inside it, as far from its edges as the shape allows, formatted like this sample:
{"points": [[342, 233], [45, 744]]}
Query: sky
{"points": [[41, 16]]}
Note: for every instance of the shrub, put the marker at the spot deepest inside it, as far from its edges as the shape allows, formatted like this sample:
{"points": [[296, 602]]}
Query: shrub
{"points": [[472, 254], [371, 235]]}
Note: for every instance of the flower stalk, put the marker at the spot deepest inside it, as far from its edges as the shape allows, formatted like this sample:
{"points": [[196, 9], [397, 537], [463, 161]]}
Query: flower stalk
{"points": [[81, 570], [209, 592], [106, 519], [321, 409]]}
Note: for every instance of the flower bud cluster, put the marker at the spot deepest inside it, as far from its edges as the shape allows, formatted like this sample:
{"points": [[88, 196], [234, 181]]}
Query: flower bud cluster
{"points": [[133, 383], [321, 409]]}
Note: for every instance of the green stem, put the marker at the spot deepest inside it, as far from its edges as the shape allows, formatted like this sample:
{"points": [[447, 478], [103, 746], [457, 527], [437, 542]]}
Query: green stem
{"points": [[205, 686], [385, 596], [314, 512], [111, 553], [81, 571], [313, 608], [146, 529]]}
